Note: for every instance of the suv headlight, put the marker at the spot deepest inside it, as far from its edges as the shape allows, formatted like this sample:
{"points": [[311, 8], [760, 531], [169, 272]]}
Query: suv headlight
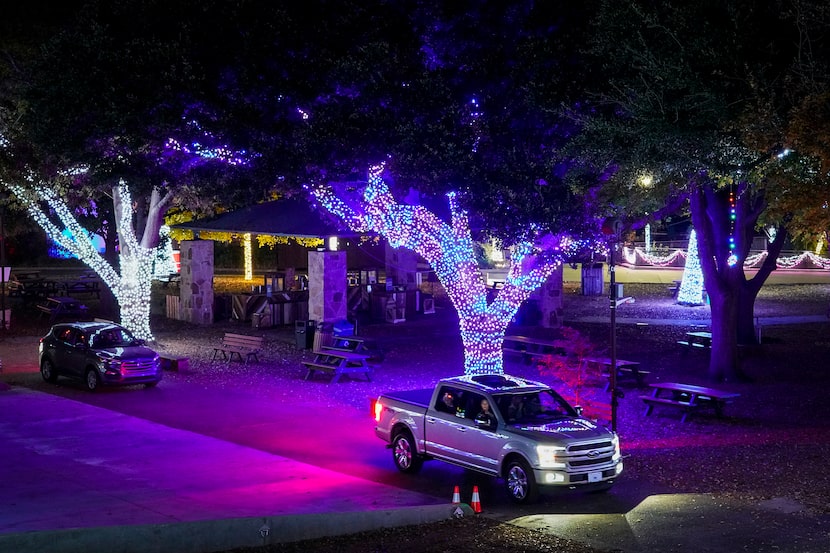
{"points": [[547, 456], [111, 364]]}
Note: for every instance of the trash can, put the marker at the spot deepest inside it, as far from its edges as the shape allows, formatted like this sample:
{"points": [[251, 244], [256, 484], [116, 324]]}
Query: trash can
{"points": [[343, 328], [304, 333]]}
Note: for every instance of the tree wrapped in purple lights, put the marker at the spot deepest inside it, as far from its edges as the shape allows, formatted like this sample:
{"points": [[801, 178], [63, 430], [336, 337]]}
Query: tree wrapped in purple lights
{"points": [[450, 250]]}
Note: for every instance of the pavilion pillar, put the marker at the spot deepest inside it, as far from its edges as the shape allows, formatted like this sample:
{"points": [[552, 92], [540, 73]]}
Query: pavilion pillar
{"points": [[551, 301], [326, 286], [196, 294], [402, 267]]}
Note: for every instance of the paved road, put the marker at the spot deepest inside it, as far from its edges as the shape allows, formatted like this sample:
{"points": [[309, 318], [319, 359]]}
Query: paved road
{"points": [[181, 468]]}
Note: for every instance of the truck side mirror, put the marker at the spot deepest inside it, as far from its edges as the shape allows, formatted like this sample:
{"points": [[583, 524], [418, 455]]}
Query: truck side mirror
{"points": [[578, 409]]}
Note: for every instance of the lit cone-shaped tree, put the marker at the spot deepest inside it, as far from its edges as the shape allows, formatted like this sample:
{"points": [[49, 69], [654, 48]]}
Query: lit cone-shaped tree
{"points": [[130, 285], [691, 287], [449, 249]]}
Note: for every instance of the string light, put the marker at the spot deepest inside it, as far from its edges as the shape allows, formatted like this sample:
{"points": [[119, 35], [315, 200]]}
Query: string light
{"points": [[248, 255], [732, 259], [450, 251]]}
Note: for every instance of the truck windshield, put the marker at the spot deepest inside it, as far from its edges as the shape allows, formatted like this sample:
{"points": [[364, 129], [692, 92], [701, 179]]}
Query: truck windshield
{"points": [[532, 407]]}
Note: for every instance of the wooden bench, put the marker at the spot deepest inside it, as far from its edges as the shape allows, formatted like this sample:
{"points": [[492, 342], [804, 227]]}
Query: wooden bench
{"points": [[627, 371], [338, 363], [687, 398], [531, 347], [239, 345]]}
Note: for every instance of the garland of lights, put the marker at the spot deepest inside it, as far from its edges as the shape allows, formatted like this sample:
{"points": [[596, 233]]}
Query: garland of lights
{"points": [[449, 249], [631, 256]]}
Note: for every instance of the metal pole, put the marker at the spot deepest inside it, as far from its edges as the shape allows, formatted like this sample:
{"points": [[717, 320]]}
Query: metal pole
{"points": [[613, 375], [2, 272]]}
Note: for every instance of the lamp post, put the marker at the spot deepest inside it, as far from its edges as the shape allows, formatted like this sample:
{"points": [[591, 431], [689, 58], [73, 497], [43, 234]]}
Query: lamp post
{"points": [[612, 227]]}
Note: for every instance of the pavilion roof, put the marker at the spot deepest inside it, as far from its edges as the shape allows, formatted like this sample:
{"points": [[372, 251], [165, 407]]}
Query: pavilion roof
{"points": [[284, 217]]}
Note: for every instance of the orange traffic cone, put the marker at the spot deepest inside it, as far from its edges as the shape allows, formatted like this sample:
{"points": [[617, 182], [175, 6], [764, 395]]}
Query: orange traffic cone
{"points": [[476, 503], [456, 496]]}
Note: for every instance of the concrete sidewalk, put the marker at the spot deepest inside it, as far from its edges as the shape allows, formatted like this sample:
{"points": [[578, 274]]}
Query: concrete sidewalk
{"points": [[78, 478]]}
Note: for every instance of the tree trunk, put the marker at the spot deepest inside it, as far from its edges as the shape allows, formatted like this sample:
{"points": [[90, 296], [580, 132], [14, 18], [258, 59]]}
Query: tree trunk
{"points": [[745, 315], [482, 337], [724, 362]]}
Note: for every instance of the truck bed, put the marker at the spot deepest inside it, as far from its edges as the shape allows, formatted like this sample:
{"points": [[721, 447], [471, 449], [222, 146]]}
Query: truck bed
{"points": [[419, 398]]}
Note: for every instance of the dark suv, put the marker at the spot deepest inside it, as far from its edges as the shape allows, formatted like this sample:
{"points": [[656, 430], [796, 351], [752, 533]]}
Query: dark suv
{"points": [[99, 353]]}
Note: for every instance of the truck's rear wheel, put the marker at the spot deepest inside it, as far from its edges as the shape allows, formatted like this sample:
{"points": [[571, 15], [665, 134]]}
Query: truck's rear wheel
{"points": [[520, 482], [405, 454]]}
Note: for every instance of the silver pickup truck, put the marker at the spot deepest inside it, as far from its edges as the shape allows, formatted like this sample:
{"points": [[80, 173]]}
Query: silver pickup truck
{"points": [[508, 427]]}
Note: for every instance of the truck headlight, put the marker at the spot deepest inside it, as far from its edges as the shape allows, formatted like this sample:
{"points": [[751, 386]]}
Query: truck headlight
{"points": [[547, 456]]}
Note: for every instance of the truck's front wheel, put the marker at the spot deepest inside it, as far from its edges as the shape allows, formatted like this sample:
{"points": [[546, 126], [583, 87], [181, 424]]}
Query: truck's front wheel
{"points": [[405, 454], [520, 482]]}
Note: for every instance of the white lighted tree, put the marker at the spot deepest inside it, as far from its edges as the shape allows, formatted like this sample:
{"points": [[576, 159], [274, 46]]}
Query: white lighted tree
{"points": [[131, 282], [691, 287], [449, 248]]}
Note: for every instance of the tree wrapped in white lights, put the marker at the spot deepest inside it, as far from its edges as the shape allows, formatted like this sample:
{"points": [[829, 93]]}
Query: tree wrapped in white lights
{"points": [[449, 249], [131, 285]]}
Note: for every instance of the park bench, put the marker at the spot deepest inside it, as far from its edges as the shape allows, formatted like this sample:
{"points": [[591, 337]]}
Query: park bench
{"points": [[337, 364], [687, 398], [243, 346], [531, 347], [627, 371]]}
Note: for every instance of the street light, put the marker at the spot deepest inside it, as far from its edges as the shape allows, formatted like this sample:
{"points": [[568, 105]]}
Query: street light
{"points": [[612, 228]]}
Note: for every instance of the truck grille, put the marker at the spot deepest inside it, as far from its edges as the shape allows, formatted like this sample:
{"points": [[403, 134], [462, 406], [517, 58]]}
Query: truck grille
{"points": [[589, 455]]}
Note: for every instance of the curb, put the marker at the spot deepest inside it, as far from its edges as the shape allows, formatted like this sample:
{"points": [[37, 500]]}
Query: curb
{"points": [[221, 535]]}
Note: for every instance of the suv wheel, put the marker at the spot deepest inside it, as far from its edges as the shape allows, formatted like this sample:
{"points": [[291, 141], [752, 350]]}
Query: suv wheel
{"points": [[47, 370], [92, 380]]}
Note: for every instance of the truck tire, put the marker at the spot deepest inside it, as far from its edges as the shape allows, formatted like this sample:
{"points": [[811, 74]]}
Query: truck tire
{"points": [[519, 481], [404, 453]]}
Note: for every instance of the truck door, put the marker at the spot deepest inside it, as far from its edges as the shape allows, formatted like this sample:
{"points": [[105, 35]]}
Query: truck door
{"points": [[446, 425], [481, 443]]}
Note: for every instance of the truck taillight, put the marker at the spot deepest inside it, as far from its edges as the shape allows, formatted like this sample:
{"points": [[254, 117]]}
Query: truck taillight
{"points": [[378, 409]]}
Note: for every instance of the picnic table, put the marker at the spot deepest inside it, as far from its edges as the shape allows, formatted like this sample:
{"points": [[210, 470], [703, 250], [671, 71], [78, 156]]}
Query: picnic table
{"points": [[687, 397], [85, 285], [697, 340], [30, 286], [347, 343], [531, 347], [338, 363], [626, 370], [61, 307]]}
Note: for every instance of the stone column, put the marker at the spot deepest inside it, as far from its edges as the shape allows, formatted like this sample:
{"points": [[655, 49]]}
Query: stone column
{"points": [[551, 300], [326, 286], [197, 281]]}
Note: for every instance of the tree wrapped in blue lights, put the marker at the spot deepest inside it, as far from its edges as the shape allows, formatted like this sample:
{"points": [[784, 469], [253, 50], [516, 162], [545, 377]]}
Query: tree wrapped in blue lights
{"points": [[450, 250]]}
